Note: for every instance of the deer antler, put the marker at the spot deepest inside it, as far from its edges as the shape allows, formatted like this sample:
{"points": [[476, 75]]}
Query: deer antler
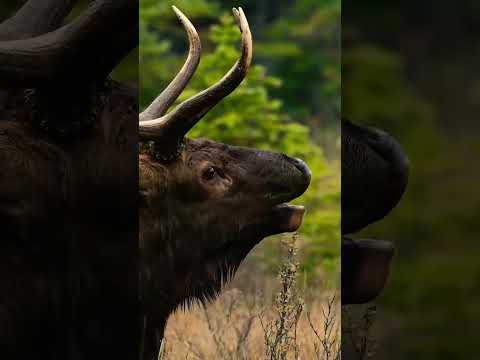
{"points": [[160, 105], [35, 18], [86, 41], [171, 128]]}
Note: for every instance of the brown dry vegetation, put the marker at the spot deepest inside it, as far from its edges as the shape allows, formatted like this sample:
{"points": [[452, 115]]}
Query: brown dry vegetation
{"points": [[259, 317]]}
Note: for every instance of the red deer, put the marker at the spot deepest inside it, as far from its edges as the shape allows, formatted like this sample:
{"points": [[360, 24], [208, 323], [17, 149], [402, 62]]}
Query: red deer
{"points": [[204, 205], [374, 177], [68, 183]]}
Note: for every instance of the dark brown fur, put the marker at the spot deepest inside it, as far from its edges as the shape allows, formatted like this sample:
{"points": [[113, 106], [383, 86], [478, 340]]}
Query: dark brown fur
{"points": [[68, 183], [68, 247], [194, 232]]}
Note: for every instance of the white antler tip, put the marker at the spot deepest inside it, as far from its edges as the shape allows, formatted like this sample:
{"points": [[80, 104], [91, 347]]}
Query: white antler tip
{"points": [[177, 12]]}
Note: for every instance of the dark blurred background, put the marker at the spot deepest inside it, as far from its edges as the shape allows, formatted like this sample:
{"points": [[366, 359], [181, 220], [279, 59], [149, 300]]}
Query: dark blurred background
{"points": [[412, 69]]}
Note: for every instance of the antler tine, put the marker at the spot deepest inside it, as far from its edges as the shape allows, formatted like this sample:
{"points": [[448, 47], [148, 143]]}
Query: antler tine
{"points": [[35, 18], [160, 105], [172, 127], [86, 41]]}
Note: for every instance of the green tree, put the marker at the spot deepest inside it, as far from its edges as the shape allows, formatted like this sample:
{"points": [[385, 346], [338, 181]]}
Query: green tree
{"points": [[304, 43]]}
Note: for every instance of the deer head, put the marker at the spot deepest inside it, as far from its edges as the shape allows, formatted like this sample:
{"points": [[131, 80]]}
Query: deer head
{"points": [[205, 205], [374, 177]]}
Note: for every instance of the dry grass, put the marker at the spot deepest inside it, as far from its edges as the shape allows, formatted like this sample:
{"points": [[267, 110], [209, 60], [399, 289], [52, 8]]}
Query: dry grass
{"points": [[357, 324], [267, 319]]}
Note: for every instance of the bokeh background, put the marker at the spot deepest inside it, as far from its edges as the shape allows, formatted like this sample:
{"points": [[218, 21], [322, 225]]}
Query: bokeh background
{"points": [[412, 68], [290, 101]]}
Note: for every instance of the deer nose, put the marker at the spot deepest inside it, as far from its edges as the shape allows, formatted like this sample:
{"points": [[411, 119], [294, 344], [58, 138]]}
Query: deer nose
{"points": [[300, 165]]}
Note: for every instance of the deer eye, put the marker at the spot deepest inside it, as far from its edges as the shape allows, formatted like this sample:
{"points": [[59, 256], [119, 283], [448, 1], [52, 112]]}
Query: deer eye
{"points": [[210, 173]]}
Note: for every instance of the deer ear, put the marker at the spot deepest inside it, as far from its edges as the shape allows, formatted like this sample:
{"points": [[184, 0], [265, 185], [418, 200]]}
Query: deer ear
{"points": [[365, 269]]}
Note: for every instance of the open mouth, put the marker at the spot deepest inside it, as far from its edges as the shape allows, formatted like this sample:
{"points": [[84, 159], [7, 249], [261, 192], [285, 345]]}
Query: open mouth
{"points": [[274, 214], [365, 268], [290, 217], [280, 219], [287, 217]]}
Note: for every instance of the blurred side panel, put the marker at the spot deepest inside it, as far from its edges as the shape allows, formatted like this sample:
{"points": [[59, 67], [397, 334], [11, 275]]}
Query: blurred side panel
{"points": [[68, 179], [411, 69]]}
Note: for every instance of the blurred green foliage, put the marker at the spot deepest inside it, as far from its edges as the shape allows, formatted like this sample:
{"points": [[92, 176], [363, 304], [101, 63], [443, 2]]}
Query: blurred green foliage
{"points": [[302, 46], [260, 112]]}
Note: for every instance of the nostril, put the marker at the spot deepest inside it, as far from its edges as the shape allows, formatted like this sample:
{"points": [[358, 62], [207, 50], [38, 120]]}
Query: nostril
{"points": [[300, 165]]}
